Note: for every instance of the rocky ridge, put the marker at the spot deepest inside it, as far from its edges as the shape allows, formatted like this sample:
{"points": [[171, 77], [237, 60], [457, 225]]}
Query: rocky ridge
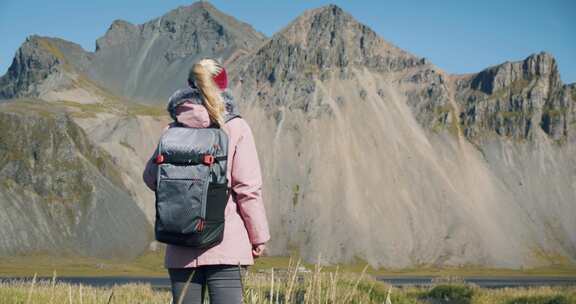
{"points": [[165, 49], [349, 124], [40, 65], [516, 98], [60, 192]]}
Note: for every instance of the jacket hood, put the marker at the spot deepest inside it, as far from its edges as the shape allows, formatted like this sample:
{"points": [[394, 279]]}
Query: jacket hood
{"points": [[181, 110], [192, 115]]}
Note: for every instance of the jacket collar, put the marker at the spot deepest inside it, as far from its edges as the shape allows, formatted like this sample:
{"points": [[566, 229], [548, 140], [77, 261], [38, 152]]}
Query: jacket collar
{"points": [[193, 95]]}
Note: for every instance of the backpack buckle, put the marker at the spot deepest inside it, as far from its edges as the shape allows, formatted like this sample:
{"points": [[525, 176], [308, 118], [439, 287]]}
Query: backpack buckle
{"points": [[200, 225], [208, 159], [159, 159]]}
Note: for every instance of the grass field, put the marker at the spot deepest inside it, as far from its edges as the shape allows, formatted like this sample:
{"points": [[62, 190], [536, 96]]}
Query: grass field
{"points": [[292, 286], [270, 280]]}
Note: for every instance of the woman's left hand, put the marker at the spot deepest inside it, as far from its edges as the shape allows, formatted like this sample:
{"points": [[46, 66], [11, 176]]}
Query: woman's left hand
{"points": [[258, 250]]}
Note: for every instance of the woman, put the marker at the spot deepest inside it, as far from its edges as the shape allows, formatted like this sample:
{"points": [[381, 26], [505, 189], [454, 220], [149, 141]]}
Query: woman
{"points": [[206, 102]]}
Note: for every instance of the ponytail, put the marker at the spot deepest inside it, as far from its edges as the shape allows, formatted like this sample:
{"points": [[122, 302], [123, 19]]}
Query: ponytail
{"points": [[210, 92]]}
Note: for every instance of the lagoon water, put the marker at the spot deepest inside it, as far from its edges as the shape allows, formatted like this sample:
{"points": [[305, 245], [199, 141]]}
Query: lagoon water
{"points": [[486, 282]]}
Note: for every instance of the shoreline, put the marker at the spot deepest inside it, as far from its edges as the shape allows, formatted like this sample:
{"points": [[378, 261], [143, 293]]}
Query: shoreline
{"points": [[151, 265]]}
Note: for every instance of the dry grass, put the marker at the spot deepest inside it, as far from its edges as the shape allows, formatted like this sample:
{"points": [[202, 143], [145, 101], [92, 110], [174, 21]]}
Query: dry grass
{"points": [[293, 285], [60, 293]]}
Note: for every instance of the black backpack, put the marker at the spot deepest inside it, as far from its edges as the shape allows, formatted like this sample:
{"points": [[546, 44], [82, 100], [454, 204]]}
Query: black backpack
{"points": [[192, 188]]}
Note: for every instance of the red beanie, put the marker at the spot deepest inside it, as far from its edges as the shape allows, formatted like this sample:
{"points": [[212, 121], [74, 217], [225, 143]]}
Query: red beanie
{"points": [[221, 79]]}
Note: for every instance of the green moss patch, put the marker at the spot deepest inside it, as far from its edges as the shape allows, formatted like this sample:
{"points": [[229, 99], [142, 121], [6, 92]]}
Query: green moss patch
{"points": [[451, 294], [556, 299], [295, 195]]}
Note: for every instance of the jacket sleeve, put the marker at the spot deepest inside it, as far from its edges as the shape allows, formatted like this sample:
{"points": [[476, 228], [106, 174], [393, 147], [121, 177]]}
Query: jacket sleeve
{"points": [[151, 169], [150, 172], [246, 181]]}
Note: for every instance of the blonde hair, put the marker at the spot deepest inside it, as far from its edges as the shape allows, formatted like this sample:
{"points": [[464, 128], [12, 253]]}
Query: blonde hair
{"points": [[202, 73]]}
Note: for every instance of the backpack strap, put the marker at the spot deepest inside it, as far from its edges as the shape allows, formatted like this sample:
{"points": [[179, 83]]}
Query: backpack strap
{"points": [[221, 158], [195, 159], [230, 117]]}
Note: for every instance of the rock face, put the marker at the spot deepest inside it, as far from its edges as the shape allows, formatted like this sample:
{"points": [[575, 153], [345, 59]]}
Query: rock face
{"points": [[148, 62], [39, 65], [144, 62], [313, 46], [516, 98], [368, 152], [60, 193], [129, 139]]}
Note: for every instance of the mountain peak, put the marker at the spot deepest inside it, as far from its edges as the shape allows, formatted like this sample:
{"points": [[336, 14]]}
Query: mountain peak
{"points": [[57, 42], [182, 24], [322, 21], [118, 32], [198, 7], [331, 9], [203, 14], [328, 37], [205, 5], [331, 28], [541, 64], [119, 23], [535, 66], [167, 45], [38, 58]]}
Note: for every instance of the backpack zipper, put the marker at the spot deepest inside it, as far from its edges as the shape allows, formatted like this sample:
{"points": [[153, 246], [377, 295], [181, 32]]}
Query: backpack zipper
{"points": [[205, 197]]}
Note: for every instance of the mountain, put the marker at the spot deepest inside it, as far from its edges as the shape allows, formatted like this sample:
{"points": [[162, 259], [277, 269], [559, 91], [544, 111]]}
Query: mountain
{"points": [[44, 65], [149, 61], [61, 193], [144, 62], [368, 152]]}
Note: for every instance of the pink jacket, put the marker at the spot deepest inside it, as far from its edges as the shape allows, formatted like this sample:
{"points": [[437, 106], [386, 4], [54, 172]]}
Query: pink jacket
{"points": [[245, 217]]}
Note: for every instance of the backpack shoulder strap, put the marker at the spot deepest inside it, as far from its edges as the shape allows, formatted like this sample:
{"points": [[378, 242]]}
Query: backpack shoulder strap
{"points": [[230, 117]]}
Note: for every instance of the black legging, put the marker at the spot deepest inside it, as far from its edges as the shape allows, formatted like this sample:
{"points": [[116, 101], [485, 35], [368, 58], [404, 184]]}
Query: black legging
{"points": [[223, 281]]}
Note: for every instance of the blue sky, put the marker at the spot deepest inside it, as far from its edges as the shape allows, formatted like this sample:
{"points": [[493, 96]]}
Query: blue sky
{"points": [[458, 36]]}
